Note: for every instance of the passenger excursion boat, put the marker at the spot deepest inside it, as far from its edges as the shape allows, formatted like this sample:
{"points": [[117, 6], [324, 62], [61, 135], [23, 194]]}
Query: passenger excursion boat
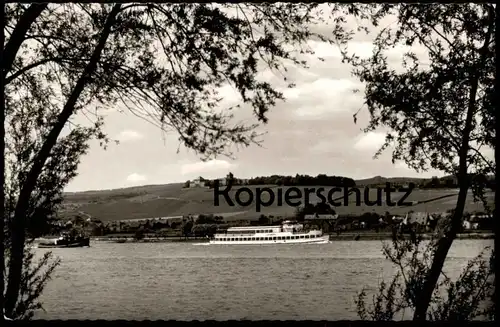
{"points": [[67, 241], [289, 233]]}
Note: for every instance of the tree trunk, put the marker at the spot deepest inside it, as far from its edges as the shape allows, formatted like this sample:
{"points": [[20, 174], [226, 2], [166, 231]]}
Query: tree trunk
{"points": [[18, 225], [2, 178], [443, 245], [8, 55]]}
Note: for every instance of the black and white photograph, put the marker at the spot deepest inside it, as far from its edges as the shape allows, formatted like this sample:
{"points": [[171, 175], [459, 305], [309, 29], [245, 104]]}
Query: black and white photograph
{"points": [[241, 161]]}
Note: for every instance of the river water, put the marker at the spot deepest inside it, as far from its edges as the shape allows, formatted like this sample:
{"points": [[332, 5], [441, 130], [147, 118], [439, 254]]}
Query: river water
{"points": [[183, 281]]}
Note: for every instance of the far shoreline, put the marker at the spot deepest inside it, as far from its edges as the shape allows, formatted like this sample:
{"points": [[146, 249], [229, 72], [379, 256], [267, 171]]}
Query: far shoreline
{"points": [[333, 237]]}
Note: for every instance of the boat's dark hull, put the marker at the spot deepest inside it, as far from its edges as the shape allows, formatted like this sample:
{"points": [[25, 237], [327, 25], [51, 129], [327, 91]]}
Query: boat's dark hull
{"points": [[76, 244]]}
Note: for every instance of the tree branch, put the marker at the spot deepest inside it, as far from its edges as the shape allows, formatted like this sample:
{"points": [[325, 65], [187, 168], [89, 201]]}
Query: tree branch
{"points": [[21, 71], [17, 36]]}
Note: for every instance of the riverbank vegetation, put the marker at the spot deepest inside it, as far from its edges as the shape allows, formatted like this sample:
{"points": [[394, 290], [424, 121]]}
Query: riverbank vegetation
{"points": [[204, 226]]}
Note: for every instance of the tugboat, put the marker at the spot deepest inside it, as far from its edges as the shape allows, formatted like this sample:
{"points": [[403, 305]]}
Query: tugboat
{"points": [[67, 240]]}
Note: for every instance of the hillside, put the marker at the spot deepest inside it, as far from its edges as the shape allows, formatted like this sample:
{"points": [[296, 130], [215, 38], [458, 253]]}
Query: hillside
{"points": [[172, 200], [377, 180]]}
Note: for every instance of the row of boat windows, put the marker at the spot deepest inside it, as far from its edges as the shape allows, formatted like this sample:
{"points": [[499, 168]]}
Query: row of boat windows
{"points": [[250, 231], [270, 238]]}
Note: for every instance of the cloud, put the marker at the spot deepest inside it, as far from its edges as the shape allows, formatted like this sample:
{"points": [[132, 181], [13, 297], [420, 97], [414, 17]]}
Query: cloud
{"points": [[320, 87], [326, 147], [133, 178], [323, 96], [402, 166], [370, 141], [212, 166], [129, 135], [323, 49], [327, 50], [229, 94], [488, 153], [267, 75], [364, 50]]}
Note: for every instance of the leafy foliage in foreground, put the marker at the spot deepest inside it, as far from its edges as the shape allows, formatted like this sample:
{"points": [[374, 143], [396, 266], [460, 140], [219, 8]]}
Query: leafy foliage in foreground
{"points": [[166, 62], [468, 297], [36, 275], [163, 62], [437, 107]]}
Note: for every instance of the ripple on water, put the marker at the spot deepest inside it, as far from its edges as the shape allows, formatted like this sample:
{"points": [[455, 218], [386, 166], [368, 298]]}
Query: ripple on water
{"points": [[185, 282]]}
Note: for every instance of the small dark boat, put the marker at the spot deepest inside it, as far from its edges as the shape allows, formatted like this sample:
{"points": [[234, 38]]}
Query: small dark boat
{"points": [[67, 241]]}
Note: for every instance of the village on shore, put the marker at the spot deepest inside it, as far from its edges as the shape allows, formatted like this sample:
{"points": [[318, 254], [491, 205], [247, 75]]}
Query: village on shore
{"points": [[370, 225]]}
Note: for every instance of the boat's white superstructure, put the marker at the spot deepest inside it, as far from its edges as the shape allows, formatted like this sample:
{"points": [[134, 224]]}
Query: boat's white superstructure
{"points": [[287, 233]]}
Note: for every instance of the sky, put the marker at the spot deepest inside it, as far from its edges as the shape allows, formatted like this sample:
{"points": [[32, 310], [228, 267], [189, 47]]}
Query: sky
{"points": [[312, 132]]}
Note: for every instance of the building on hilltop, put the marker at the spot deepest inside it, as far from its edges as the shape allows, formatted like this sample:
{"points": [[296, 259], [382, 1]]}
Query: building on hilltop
{"points": [[197, 182], [317, 216]]}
